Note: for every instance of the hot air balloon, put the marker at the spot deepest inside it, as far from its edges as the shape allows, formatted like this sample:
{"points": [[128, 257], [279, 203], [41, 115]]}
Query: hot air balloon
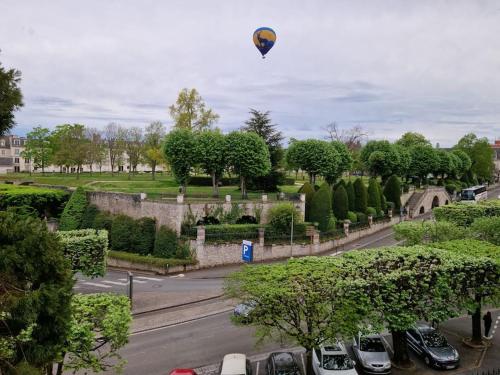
{"points": [[264, 38]]}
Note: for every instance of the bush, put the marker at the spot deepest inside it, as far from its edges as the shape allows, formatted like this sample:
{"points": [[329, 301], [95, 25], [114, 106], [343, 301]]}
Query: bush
{"points": [[450, 188], [351, 197], [87, 249], [352, 217], [321, 210], [406, 188], [309, 191], [23, 212], [390, 206], [247, 219], [207, 181], [103, 220], [280, 217], [165, 243], [122, 230], [340, 203], [362, 217], [47, 202], [231, 232], [417, 233], [371, 211], [374, 195], [142, 238], [361, 198], [208, 220], [149, 260], [487, 229], [72, 216], [392, 191], [89, 217], [267, 183], [464, 214], [471, 247]]}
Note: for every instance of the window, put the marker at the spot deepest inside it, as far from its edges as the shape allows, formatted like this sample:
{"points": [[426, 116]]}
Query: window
{"points": [[16, 142], [26, 161], [16, 160], [16, 151], [2, 143]]}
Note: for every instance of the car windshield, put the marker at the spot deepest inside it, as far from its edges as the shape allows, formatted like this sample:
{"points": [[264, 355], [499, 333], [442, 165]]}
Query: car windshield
{"points": [[371, 345], [434, 340], [468, 195], [337, 362]]}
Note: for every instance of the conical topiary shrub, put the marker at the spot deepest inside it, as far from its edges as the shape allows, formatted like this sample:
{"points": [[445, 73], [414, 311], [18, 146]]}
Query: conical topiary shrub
{"points": [[308, 190], [340, 203], [321, 210], [351, 196], [361, 199]]}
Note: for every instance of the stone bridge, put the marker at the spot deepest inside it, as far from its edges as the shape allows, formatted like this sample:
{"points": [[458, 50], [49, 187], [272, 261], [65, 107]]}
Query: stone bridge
{"points": [[424, 201]]}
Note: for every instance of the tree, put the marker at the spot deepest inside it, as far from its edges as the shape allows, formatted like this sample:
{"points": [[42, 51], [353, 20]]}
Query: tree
{"points": [[374, 195], [411, 139], [248, 155], [261, 124], [60, 153], [113, 136], [211, 150], [321, 211], [133, 148], [72, 216], [352, 138], [11, 98], [351, 196], [38, 282], [380, 158], [303, 300], [392, 191], [189, 112], [179, 149], [480, 153], [361, 196], [308, 190], [340, 203], [424, 161], [73, 146], [344, 161], [37, 147], [444, 165], [98, 329], [96, 152], [153, 154], [404, 167], [465, 161]]}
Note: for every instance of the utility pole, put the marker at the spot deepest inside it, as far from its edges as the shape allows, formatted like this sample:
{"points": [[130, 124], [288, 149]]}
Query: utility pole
{"points": [[291, 238], [130, 288]]}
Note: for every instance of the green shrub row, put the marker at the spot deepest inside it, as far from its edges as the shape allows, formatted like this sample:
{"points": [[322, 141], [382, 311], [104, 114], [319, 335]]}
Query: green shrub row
{"points": [[87, 249], [150, 260], [464, 214], [231, 232], [46, 202], [72, 216]]}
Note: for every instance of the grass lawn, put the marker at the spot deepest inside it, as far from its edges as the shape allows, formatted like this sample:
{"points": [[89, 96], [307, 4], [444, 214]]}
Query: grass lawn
{"points": [[163, 187]]}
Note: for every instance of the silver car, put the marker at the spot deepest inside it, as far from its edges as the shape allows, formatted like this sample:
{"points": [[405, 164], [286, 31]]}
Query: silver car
{"points": [[243, 310], [371, 354]]}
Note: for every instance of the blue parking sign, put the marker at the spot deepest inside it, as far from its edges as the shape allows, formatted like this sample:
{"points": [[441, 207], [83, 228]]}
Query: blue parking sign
{"points": [[247, 251]]}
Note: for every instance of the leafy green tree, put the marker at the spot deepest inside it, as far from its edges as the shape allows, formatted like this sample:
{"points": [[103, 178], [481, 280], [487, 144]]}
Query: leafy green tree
{"points": [[74, 210], [480, 153], [115, 144], [445, 165], [37, 147], [190, 112], [345, 161], [361, 195], [36, 283], [248, 155], [404, 167], [261, 123], [303, 300], [152, 151], [99, 327], [424, 161], [321, 211], [134, 148], [96, 151], [351, 196], [340, 203], [374, 195], [11, 98], [308, 190], [180, 151], [212, 155], [465, 162], [411, 139], [392, 191]]}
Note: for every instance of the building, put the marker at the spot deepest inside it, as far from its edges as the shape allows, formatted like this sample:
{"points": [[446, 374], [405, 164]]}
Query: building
{"points": [[496, 158], [11, 160]]}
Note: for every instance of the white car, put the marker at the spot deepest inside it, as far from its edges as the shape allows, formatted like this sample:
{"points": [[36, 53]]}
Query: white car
{"points": [[235, 364], [332, 359]]}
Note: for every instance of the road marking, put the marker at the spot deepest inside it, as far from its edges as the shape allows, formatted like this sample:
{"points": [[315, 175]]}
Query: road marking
{"points": [[135, 281], [114, 282], [148, 278], [257, 369], [179, 275], [97, 285]]}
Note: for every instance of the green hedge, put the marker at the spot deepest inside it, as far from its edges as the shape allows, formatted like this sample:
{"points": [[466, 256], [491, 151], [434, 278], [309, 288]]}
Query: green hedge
{"points": [[122, 229], [231, 232], [165, 243], [142, 239], [280, 217], [150, 260], [89, 216], [87, 249], [72, 216], [471, 247], [464, 214], [207, 181], [47, 202]]}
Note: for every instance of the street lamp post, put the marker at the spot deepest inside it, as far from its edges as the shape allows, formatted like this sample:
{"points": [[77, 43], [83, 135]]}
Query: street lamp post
{"points": [[291, 238], [130, 287]]}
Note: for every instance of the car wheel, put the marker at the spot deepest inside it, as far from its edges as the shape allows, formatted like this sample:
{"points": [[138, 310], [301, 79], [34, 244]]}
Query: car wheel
{"points": [[427, 361]]}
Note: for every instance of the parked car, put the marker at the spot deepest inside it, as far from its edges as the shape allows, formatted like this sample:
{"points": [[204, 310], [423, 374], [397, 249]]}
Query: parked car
{"points": [[235, 364], [243, 310], [433, 347], [282, 363], [182, 371], [371, 354], [333, 359]]}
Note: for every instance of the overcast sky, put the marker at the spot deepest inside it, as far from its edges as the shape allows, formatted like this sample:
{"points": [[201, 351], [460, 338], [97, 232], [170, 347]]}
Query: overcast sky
{"points": [[389, 66]]}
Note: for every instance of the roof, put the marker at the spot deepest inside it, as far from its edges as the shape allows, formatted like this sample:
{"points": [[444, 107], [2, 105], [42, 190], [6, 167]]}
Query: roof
{"points": [[284, 360], [333, 348], [234, 364]]}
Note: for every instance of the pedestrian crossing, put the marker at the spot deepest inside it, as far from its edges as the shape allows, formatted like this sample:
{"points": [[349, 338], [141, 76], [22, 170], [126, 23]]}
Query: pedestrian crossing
{"points": [[117, 282]]}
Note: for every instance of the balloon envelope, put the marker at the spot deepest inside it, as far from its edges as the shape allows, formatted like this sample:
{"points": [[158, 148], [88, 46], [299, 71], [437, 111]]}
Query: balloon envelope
{"points": [[264, 38]]}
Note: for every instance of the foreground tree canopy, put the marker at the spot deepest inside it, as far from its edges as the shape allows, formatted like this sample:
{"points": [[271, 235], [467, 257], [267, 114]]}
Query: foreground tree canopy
{"points": [[11, 98]]}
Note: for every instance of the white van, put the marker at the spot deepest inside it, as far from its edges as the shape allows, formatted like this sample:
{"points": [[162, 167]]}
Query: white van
{"points": [[235, 364]]}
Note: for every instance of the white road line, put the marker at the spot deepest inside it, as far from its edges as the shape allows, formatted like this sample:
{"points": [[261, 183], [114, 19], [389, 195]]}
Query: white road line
{"points": [[147, 278], [114, 282], [98, 285], [135, 281], [257, 369]]}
